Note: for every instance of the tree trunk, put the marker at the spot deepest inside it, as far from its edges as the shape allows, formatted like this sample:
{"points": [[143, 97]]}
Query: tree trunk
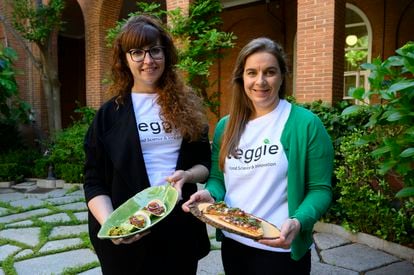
{"points": [[51, 88]]}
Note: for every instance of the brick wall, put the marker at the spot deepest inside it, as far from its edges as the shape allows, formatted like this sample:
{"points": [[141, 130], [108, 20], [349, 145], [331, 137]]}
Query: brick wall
{"points": [[173, 4], [318, 31], [316, 55], [28, 79]]}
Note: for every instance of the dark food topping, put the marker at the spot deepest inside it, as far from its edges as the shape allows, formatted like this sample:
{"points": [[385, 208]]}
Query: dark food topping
{"points": [[155, 208], [138, 221]]}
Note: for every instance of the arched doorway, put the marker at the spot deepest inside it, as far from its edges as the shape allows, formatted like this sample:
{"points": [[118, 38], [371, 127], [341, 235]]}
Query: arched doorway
{"points": [[71, 62]]}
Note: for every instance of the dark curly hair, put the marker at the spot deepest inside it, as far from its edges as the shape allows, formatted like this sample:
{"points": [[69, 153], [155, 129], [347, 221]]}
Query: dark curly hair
{"points": [[180, 106]]}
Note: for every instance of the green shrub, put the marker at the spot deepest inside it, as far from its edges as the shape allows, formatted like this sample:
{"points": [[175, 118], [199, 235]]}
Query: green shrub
{"points": [[365, 202], [18, 164], [13, 110], [10, 172], [65, 152], [392, 82]]}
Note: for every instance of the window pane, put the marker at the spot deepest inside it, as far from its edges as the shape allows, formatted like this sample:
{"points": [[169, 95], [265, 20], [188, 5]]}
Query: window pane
{"points": [[361, 34], [354, 59], [352, 17], [349, 82]]}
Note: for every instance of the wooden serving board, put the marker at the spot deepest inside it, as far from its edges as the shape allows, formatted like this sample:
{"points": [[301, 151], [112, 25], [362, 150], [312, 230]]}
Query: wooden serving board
{"points": [[269, 230]]}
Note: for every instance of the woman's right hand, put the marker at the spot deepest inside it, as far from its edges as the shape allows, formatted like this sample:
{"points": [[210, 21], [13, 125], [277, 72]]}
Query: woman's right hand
{"points": [[199, 196]]}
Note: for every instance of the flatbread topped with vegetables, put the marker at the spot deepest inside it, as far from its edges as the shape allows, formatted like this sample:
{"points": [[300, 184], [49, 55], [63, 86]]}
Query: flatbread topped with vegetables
{"points": [[221, 209], [234, 220]]}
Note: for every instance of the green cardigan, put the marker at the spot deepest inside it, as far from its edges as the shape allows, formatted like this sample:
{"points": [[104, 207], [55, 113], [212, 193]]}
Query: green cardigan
{"points": [[310, 156]]}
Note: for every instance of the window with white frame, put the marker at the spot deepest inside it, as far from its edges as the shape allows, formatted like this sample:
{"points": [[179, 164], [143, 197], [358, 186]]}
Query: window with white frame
{"points": [[358, 41]]}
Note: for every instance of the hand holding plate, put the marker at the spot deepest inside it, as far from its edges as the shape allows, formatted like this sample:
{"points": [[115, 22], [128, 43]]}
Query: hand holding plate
{"points": [[288, 232], [131, 239], [197, 197]]}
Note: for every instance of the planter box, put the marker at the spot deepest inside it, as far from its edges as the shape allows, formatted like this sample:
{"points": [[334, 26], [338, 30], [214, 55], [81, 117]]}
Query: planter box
{"points": [[6, 184], [400, 251]]}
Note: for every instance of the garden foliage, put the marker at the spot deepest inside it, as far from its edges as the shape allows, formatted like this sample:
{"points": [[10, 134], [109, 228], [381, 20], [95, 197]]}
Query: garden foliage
{"points": [[391, 119]]}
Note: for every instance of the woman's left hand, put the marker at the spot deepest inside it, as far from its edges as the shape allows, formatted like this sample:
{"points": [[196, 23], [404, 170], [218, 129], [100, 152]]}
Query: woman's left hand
{"points": [[288, 232]]}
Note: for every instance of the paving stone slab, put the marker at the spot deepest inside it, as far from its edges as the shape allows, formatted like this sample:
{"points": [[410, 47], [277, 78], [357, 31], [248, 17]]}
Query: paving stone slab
{"points": [[400, 268], [46, 194], [56, 193], [206, 268], [93, 271], [59, 217], [327, 240], [6, 190], [7, 250], [68, 230], [24, 215], [73, 206], [60, 244], [65, 200], [22, 223], [356, 257], [80, 193], [27, 203], [8, 197], [29, 236], [81, 216], [325, 269], [23, 253], [61, 261], [314, 255], [25, 186]]}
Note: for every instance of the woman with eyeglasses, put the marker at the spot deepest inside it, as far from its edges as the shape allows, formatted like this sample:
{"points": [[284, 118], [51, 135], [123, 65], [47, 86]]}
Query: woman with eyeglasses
{"points": [[152, 131]]}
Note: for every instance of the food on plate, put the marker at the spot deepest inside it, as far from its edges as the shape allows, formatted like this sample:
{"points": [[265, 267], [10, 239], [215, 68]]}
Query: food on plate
{"points": [[140, 219], [238, 219], [122, 229], [156, 207], [221, 209]]}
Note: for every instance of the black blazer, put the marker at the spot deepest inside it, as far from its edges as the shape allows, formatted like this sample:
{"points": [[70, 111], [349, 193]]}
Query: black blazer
{"points": [[115, 167]]}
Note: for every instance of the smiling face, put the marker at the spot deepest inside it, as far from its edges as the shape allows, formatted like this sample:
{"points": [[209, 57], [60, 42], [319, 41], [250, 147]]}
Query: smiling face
{"points": [[147, 72], [262, 79]]}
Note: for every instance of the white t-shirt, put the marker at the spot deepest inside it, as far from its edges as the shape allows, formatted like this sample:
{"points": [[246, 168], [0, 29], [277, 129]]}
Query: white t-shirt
{"points": [[256, 178], [159, 148]]}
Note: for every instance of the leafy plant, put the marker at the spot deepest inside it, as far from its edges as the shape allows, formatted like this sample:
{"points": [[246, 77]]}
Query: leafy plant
{"points": [[15, 165], [392, 82], [13, 110], [66, 153], [200, 42], [365, 202]]}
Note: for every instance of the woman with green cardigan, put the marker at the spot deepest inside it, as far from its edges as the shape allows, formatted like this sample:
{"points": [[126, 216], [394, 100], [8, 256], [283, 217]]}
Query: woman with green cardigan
{"points": [[272, 159]]}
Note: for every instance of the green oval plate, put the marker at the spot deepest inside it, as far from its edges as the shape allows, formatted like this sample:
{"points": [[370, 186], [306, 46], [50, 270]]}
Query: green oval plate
{"points": [[166, 193]]}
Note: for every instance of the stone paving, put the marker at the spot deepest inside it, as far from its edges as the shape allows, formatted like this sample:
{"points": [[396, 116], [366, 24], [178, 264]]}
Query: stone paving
{"points": [[45, 233]]}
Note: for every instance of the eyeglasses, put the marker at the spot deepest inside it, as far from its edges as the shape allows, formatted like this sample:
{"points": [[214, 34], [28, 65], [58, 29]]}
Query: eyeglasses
{"points": [[138, 55]]}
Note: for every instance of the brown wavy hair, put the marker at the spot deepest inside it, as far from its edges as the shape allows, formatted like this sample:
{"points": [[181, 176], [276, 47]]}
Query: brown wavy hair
{"points": [[241, 107], [180, 106]]}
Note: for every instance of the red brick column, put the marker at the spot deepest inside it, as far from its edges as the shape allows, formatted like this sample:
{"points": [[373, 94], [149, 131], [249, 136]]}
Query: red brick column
{"points": [[320, 55], [173, 4], [99, 15]]}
